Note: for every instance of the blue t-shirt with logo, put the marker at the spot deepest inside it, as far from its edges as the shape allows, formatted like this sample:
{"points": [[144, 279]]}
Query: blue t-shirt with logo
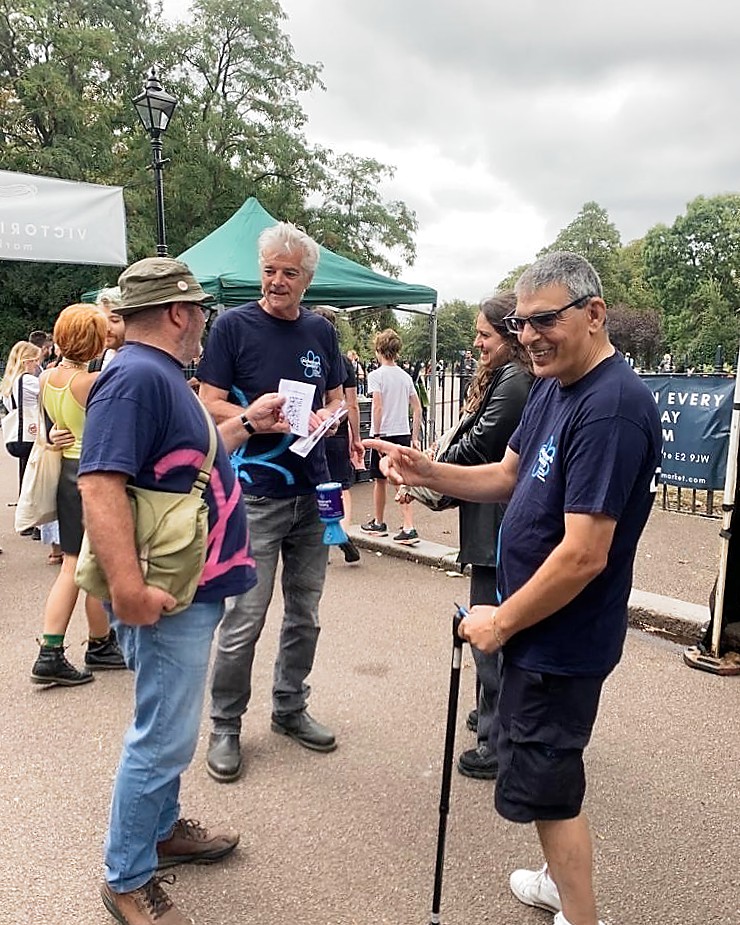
{"points": [[592, 447], [247, 353], [145, 421]]}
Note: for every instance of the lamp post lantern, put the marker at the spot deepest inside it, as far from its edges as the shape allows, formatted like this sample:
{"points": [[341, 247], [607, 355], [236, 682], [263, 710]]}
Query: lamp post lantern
{"points": [[155, 107]]}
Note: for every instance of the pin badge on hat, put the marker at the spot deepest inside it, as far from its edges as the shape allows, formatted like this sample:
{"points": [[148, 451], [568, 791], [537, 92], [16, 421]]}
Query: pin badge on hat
{"points": [[182, 285]]}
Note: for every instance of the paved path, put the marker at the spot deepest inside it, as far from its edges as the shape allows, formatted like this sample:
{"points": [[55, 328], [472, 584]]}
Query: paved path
{"points": [[349, 838]]}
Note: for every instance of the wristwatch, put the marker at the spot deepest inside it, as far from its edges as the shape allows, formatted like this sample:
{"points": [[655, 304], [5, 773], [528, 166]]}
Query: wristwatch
{"points": [[247, 425]]}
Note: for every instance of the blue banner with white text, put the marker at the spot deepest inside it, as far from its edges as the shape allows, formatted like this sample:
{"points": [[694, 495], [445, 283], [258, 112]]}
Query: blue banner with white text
{"points": [[695, 414]]}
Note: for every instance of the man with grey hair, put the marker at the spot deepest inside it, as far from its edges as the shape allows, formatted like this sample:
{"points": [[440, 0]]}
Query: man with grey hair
{"points": [[250, 349], [579, 475]]}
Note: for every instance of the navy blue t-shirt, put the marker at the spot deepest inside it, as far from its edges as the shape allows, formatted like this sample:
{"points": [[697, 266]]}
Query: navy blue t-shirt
{"points": [[592, 447], [145, 421], [247, 353]]}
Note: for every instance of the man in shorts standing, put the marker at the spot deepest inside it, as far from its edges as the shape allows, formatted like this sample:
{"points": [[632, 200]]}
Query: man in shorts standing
{"points": [[393, 393], [579, 475]]}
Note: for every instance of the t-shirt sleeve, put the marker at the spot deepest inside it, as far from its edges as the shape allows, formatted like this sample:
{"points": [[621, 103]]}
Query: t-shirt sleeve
{"points": [[120, 429], [217, 365], [372, 381], [602, 464]]}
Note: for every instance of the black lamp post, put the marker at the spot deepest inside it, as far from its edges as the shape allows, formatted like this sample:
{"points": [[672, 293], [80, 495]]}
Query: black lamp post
{"points": [[155, 107]]}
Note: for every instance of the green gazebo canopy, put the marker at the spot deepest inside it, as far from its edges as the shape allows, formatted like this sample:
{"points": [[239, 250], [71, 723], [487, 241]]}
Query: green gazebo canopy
{"points": [[225, 264]]}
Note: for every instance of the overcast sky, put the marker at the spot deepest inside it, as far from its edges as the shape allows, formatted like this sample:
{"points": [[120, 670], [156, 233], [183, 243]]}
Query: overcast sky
{"points": [[502, 120]]}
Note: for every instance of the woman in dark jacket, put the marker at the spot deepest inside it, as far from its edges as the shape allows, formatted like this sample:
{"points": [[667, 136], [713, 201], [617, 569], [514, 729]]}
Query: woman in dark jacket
{"points": [[493, 406]]}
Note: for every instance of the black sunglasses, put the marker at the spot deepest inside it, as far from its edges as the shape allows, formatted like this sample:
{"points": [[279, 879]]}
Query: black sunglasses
{"points": [[541, 321]]}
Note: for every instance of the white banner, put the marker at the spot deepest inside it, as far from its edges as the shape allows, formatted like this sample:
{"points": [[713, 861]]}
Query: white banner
{"points": [[43, 218]]}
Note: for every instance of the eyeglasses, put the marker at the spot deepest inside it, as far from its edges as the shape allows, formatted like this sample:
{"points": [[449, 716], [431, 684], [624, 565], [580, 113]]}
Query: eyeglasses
{"points": [[541, 321]]}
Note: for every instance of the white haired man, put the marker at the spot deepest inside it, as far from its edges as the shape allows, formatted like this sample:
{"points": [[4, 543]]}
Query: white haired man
{"points": [[250, 349]]}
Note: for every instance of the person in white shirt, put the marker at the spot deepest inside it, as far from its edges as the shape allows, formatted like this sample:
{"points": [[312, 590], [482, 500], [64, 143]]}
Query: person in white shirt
{"points": [[393, 394]]}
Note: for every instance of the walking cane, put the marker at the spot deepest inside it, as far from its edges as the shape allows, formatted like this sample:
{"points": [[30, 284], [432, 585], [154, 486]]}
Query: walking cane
{"points": [[444, 798]]}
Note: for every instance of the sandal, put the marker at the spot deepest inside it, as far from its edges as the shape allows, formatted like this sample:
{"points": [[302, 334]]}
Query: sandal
{"points": [[55, 559]]}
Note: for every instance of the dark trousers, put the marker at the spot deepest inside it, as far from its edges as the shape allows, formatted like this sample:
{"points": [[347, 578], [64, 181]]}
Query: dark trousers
{"points": [[488, 667]]}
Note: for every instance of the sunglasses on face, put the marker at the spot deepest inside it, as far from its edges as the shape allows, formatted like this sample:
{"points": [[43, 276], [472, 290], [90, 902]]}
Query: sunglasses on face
{"points": [[542, 321]]}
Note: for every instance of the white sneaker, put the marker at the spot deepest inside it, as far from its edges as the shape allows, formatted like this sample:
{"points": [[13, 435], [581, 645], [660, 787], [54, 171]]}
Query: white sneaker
{"points": [[536, 888], [560, 919]]}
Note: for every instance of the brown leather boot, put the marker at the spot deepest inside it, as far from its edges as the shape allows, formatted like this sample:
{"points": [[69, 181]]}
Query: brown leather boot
{"points": [[191, 843], [149, 905]]}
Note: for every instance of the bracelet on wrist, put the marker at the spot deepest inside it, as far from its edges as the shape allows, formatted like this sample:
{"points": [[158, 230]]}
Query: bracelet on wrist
{"points": [[247, 425], [496, 633]]}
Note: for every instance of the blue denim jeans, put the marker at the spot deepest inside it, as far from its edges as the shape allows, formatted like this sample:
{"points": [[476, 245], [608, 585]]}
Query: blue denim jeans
{"points": [[287, 527], [170, 664]]}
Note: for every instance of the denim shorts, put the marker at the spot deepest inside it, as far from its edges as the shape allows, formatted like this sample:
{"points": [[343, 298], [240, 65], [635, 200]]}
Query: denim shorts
{"points": [[375, 456], [545, 723]]}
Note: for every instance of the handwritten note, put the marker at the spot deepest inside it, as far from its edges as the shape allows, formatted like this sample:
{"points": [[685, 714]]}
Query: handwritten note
{"points": [[297, 407]]}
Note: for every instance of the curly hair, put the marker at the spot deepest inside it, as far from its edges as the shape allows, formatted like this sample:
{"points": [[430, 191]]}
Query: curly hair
{"points": [[80, 332]]}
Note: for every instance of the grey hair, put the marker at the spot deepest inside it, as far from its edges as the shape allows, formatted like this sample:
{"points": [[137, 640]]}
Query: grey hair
{"points": [[109, 297], [284, 238], [560, 268]]}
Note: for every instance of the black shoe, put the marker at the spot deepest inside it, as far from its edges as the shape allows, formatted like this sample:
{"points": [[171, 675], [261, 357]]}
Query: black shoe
{"points": [[479, 763], [224, 759], [472, 721], [105, 654], [374, 528], [52, 667], [305, 730], [351, 552], [27, 532], [36, 534]]}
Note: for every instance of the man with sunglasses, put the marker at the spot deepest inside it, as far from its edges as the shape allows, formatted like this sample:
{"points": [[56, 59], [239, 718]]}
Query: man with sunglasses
{"points": [[579, 476]]}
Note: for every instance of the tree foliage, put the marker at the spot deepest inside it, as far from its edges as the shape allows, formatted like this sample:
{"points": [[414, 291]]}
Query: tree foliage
{"points": [[638, 332], [68, 73], [455, 332]]}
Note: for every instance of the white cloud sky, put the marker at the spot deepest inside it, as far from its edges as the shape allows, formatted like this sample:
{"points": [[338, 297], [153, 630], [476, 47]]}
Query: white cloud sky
{"points": [[502, 121]]}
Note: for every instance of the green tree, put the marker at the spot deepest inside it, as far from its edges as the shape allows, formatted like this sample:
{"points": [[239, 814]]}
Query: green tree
{"points": [[67, 76], [592, 235], [636, 331], [455, 332], [354, 221], [693, 269]]}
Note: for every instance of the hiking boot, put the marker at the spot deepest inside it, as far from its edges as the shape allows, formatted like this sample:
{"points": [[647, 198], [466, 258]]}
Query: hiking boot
{"points": [[472, 721], [407, 537], [305, 730], [104, 654], [52, 667], [224, 760], [479, 763], [191, 843], [374, 528], [535, 888], [149, 905], [351, 552]]}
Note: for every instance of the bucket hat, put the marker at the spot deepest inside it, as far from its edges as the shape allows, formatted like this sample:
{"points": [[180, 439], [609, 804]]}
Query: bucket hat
{"points": [[157, 281]]}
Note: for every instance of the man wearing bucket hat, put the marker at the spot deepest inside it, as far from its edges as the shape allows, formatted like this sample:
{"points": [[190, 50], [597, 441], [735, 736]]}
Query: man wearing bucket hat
{"points": [[250, 349], [146, 427]]}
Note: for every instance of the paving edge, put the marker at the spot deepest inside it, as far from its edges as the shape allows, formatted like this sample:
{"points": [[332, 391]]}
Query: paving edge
{"points": [[680, 621]]}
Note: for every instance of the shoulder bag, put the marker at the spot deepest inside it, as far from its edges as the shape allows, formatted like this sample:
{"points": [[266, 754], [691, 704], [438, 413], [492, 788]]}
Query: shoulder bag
{"points": [[171, 537], [13, 426], [37, 503], [434, 500]]}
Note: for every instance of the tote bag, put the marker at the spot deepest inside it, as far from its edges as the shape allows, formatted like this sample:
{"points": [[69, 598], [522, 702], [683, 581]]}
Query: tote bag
{"points": [[37, 503]]}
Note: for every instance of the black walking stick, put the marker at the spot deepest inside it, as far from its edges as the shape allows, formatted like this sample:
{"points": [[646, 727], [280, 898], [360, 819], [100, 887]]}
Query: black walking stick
{"points": [[444, 797]]}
